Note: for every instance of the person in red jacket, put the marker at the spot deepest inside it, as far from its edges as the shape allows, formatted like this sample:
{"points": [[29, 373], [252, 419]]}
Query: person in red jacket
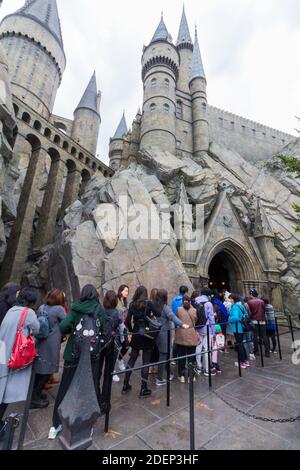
{"points": [[258, 317]]}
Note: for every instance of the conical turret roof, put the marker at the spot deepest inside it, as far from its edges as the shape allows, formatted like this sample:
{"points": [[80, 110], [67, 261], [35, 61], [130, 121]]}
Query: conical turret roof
{"points": [[89, 98], [122, 129], [197, 64], [161, 33], [44, 12], [184, 32]]}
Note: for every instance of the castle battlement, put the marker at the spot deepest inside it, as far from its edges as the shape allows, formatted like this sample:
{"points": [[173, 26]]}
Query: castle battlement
{"points": [[247, 124]]}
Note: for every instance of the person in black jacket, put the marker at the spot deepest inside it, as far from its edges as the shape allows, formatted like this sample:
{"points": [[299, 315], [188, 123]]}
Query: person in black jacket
{"points": [[109, 354], [8, 298], [139, 309]]}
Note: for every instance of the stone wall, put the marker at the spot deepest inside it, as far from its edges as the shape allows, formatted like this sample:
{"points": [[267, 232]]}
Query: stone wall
{"points": [[251, 140]]}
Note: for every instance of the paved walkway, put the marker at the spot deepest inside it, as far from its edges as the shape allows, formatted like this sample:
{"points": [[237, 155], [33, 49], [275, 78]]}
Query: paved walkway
{"points": [[272, 392]]}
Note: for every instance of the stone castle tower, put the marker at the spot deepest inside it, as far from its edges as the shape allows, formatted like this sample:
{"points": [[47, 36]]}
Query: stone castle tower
{"points": [[176, 116], [53, 157]]}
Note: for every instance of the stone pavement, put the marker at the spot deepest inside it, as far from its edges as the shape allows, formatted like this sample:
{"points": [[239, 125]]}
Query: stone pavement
{"points": [[135, 424]]}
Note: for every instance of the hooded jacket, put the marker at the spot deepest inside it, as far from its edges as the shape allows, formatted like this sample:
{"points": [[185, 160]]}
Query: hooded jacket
{"points": [[177, 303], [210, 315], [68, 325]]}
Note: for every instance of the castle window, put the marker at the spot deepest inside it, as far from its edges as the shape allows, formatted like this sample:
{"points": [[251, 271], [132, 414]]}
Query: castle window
{"points": [[65, 146], [37, 125], [81, 157], [57, 139], [166, 108], [26, 118], [47, 133], [153, 83], [179, 109], [16, 109], [73, 151], [167, 83], [152, 107], [87, 161]]}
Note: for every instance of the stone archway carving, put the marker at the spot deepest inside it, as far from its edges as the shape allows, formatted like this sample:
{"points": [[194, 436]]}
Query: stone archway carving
{"points": [[244, 270]]}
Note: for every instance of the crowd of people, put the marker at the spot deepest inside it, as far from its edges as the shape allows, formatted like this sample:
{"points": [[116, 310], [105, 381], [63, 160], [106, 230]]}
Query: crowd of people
{"points": [[119, 331]]}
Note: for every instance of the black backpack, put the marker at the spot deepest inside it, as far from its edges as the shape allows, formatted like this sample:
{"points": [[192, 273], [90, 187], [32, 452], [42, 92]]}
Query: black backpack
{"points": [[201, 315], [89, 325]]}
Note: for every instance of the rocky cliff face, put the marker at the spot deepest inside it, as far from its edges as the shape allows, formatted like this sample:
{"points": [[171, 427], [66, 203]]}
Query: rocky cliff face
{"points": [[90, 248]]}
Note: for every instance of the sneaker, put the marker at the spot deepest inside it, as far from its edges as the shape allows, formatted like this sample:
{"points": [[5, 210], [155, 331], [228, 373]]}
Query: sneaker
{"points": [[54, 432], [198, 371], [121, 365], [182, 379], [247, 364], [173, 363], [194, 380], [145, 392], [159, 383], [219, 371], [243, 366], [274, 352], [252, 357], [212, 373], [116, 378]]}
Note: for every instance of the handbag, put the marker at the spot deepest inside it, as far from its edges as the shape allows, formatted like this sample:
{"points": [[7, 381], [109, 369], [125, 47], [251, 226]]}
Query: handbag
{"points": [[23, 352], [152, 327], [246, 322]]}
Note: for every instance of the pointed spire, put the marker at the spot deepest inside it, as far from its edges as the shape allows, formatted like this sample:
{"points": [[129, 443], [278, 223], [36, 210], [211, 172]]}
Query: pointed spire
{"points": [[184, 32], [46, 13], [197, 64], [161, 33], [262, 225], [89, 99], [122, 129]]}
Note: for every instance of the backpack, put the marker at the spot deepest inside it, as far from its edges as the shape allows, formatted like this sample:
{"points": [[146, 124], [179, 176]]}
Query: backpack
{"points": [[45, 329], [88, 326], [23, 352], [201, 315]]}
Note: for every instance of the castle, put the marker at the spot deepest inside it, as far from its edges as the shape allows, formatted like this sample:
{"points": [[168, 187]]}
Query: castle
{"points": [[224, 162]]}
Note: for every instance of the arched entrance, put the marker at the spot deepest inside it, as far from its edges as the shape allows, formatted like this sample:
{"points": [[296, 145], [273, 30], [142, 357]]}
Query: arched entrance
{"points": [[229, 267]]}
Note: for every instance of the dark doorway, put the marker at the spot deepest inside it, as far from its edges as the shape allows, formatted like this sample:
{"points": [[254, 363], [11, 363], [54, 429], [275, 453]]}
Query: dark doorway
{"points": [[219, 277]]}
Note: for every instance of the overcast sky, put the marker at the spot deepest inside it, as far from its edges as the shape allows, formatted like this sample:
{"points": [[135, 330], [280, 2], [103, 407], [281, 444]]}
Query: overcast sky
{"points": [[250, 51]]}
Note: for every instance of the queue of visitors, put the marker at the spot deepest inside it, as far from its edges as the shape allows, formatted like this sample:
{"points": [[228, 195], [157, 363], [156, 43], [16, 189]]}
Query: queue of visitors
{"points": [[205, 321]]}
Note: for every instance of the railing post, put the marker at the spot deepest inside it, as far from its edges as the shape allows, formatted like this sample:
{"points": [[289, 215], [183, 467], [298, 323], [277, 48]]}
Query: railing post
{"points": [[12, 422], [208, 352], [192, 406], [169, 369], [292, 332], [27, 408], [260, 344], [278, 339]]}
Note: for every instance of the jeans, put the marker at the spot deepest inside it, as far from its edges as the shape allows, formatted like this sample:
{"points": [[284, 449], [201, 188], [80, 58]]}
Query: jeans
{"points": [[161, 367], [146, 360], [184, 351], [242, 351], [200, 349], [249, 346], [271, 335], [260, 333]]}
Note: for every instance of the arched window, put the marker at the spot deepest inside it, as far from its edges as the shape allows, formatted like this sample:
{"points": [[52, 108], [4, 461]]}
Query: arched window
{"points": [[73, 151], [152, 107], [179, 109], [167, 83], [57, 139], [65, 146], [166, 108], [153, 83], [47, 133], [37, 125], [26, 118]]}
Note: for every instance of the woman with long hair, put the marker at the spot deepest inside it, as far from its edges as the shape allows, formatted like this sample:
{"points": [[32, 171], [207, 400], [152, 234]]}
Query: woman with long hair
{"points": [[167, 321], [186, 340], [109, 354], [14, 385], [87, 306], [122, 338], [136, 323], [48, 348], [155, 352]]}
